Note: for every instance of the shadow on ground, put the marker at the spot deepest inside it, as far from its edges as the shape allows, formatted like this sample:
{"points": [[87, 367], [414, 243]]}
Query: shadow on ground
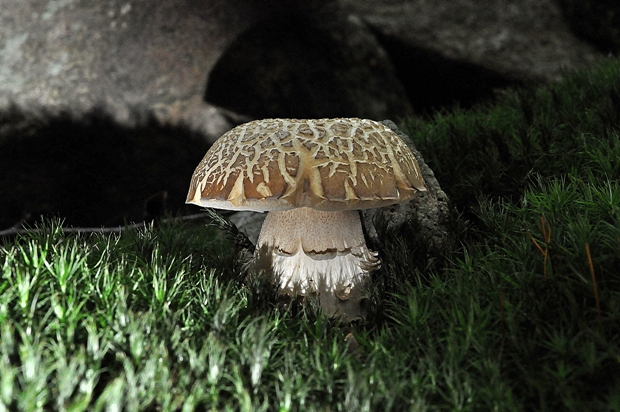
{"points": [[92, 171]]}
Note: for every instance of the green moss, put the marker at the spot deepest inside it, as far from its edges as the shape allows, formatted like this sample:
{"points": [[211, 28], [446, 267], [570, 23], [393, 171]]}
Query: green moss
{"points": [[523, 313]]}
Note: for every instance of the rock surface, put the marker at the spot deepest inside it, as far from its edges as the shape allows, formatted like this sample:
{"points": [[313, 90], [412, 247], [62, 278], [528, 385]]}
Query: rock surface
{"points": [[522, 39], [131, 59]]}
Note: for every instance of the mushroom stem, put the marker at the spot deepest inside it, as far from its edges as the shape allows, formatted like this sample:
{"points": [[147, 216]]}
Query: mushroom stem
{"points": [[322, 253]]}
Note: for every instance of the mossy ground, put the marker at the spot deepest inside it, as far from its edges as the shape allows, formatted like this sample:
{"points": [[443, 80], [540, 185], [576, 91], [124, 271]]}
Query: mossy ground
{"points": [[521, 313]]}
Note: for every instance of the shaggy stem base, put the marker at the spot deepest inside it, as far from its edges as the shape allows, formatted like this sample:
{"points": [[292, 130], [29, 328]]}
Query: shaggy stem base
{"points": [[318, 253]]}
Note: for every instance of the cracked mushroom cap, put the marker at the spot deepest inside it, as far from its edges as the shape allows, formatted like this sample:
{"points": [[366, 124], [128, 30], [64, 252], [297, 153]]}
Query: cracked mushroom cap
{"points": [[325, 164]]}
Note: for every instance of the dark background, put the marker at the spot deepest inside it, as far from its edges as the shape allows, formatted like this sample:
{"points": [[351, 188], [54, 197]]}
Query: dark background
{"points": [[91, 170]]}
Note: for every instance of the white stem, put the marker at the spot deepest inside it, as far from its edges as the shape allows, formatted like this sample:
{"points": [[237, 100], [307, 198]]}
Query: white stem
{"points": [[317, 252]]}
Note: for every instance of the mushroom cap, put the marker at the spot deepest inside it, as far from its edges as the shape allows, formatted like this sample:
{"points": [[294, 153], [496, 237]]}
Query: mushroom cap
{"points": [[326, 164]]}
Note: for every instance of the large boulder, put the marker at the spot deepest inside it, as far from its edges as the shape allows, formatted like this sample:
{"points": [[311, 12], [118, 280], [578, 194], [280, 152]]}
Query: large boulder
{"points": [[383, 58]]}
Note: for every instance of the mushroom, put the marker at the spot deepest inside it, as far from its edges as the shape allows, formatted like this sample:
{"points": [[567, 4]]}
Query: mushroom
{"points": [[312, 176]]}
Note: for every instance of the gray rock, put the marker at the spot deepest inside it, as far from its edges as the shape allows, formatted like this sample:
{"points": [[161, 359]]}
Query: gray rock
{"points": [[249, 223]]}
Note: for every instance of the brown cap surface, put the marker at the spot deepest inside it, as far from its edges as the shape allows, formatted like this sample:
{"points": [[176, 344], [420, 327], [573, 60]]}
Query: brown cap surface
{"points": [[326, 164]]}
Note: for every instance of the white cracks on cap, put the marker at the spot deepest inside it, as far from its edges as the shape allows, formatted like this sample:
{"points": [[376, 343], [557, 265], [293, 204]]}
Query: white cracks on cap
{"points": [[326, 164], [318, 253]]}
